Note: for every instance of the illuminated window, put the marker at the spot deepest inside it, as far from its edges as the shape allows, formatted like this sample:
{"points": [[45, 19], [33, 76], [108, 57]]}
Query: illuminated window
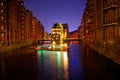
{"points": [[2, 34], [2, 27], [2, 17], [53, 32], [2, 11], [2, 4], [22, 4], [58, 32]]}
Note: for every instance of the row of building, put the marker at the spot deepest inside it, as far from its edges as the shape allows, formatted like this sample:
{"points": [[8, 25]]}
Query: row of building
{"points": [[100, 27], [18, 26]]}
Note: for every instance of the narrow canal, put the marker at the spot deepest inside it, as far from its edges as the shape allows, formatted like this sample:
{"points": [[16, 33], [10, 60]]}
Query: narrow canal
{"points": [[77, 63]]}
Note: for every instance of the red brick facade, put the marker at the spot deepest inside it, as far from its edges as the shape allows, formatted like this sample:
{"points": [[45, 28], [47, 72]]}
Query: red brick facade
{"points": [[73, 34], [18, 26], [100, 26]]}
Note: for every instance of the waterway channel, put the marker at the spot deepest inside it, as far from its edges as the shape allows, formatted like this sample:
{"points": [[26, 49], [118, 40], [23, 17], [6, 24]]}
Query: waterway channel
{"points": [[77, 63]]}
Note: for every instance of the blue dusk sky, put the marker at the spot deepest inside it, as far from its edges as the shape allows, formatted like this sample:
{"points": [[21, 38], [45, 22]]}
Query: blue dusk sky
{"points": [[52, 11]]}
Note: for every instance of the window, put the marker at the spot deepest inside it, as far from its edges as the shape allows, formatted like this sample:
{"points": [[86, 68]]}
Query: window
{"points": [[105, 16], [2, 34], [2, 18], [115, 0], [105, 3], [119, 30], [116, 31], [2, 27], [2, 4], [1, 10]]}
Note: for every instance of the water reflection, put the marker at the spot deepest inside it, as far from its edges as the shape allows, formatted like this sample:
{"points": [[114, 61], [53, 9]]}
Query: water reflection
{"points": [[77, 63], [61, 65], [53, 65], [98, 67], [2, 68], [58, 59], [66, 66]]}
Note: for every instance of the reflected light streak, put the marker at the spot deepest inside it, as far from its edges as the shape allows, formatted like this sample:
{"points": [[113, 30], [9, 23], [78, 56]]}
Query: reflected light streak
{"points": [[59, 66], [58, 58], [39, 51], [40, 55], [65, 65]]}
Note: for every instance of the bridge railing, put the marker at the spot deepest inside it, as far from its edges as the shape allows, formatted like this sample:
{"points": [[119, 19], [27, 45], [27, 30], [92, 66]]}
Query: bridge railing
{"points": [[68, 39]]}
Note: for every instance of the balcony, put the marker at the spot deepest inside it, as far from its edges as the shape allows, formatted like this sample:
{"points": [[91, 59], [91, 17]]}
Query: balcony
{"points": [[110, 23], [109, 6]]}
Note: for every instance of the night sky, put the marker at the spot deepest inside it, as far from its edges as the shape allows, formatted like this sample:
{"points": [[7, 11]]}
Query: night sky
{"points": [[52, 11]]}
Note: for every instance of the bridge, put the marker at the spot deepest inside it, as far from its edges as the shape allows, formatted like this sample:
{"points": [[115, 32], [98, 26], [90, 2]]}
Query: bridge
{"points": [[72, 39], [68, 39]]}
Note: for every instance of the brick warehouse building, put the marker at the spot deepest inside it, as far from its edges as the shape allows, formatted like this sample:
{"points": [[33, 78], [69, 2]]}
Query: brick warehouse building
{"points": [[100, 27], [18, 27], [73, 34]]}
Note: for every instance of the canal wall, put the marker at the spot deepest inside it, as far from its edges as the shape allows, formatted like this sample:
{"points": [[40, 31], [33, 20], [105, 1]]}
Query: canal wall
{"points": [[6, 48], [111, 51]]}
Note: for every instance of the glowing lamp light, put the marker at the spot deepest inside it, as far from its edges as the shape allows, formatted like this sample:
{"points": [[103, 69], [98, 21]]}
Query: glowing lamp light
{"points": [[39, 51], [65, 45]]}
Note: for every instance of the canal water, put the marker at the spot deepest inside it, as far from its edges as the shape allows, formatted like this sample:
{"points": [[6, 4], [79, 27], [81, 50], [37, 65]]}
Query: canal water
{"points": [[77, 63]]}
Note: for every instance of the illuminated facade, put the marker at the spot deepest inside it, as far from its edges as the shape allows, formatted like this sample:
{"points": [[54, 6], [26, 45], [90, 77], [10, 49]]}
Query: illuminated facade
{"points": [[18, 26], [100, 26], [59, 33]]}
